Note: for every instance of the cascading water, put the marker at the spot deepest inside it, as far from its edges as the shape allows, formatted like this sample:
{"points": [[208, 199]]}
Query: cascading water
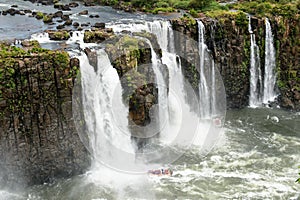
{"points": [[270, 65], [180, 89], [162, 90], [101, 94], [207, 95], [256, 86], [164, 33]]}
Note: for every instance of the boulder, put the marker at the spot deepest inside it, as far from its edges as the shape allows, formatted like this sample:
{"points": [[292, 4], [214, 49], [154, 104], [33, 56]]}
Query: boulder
{"points": [[60, 27], [73, 4], [84, 12], [65, 17], [99, 25], [58, 35], [58, 14], [75, 24], [68, 22]]}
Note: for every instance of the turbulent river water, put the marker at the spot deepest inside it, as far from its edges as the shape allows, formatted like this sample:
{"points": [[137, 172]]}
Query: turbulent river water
{"points": [[256, 155]]}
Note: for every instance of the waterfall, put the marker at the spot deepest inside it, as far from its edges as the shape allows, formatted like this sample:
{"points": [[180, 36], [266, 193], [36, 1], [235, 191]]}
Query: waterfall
{"points": [[164, 33], [207, 95], [162, 90], [270, 65], [256, 87], [109, 139]]}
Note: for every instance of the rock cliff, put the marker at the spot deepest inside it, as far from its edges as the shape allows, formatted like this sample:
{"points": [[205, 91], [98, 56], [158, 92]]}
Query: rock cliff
{"points": [[228, 38], [38, 138]]}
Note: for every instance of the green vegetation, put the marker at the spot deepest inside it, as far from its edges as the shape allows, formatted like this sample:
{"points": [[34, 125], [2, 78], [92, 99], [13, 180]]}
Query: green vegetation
{"points": [[39, 15], [59, 35], [222, 15], [157, 6], [47, 19], [262, 8], [189, 21]]}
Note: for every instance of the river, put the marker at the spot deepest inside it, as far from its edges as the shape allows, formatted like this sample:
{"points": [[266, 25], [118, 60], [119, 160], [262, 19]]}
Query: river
{"points": [[256, 155]]}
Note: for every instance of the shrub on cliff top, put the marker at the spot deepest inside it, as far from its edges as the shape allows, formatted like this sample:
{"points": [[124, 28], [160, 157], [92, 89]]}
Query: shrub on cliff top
{"points": [[200, 4], [266, 8]]}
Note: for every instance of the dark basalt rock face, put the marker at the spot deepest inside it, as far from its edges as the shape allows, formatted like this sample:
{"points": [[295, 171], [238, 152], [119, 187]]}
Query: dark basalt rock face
{"points": [[229, 42], [131, 57], [287, 44], [38, 138]]}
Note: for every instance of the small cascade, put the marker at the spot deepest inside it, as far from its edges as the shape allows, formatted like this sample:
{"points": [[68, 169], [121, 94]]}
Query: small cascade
{"points": [[207, 95], [76, 37], [41, 37], [270, 65], [256, 85], [164, 33], [109, 143]]}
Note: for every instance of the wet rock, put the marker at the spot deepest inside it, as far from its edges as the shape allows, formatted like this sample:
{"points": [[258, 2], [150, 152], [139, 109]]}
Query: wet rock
{"points": [[99, 25], [58, 14], [12, 11], [68, 22], [73, 4], [65, 17], [47, 18], [75, 24], [27, 11], [89, 4], [60, 27], [287, 103], [84, 12], [30, 43], [45, 3], [14, 6], [62, 7], [58, 35], [92, 56]]}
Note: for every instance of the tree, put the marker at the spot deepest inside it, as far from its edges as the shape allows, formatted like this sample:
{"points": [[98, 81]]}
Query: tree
{"points": [[200, 4]]}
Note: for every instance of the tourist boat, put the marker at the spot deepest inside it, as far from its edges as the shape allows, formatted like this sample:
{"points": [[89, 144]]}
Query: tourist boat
{"points": [[160, 172]]}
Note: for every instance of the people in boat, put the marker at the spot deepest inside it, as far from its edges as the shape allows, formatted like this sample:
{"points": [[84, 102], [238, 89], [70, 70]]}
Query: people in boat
{"points": [[160, 172], [217, 122]]}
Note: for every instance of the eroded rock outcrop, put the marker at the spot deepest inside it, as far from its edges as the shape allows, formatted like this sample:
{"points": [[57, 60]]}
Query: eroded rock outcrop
{"points": [[132, 59], [38, 139]]}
